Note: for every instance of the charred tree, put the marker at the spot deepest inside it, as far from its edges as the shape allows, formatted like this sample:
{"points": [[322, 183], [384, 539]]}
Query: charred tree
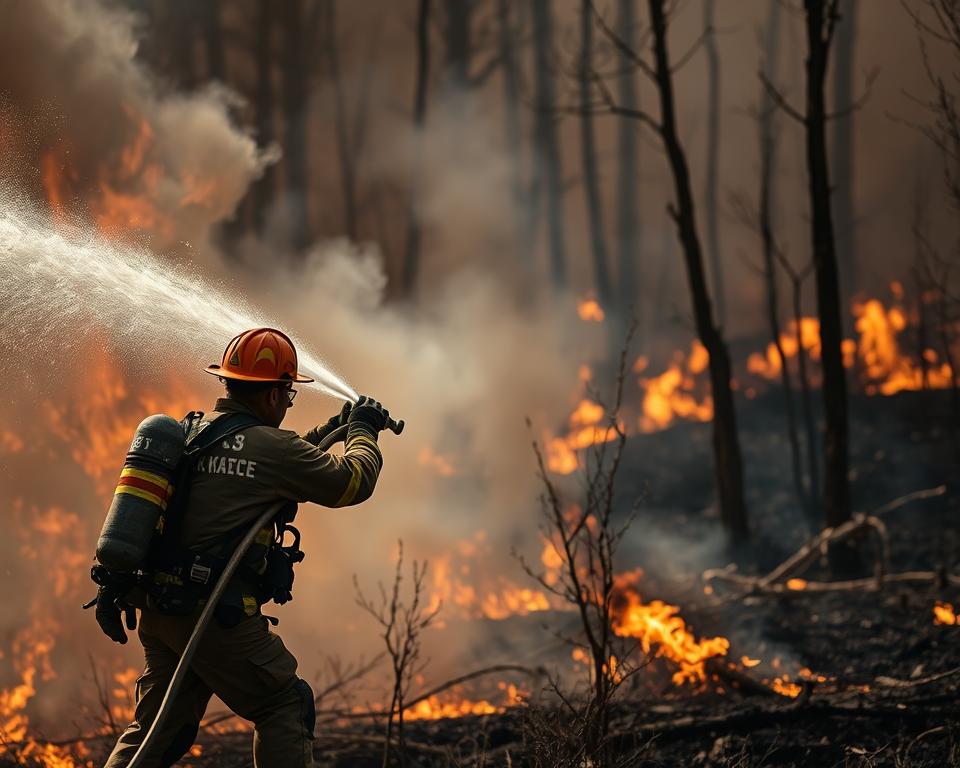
{"points": [[821, 21], [411, 257], [457, 28], [628, 203], [588, 155], [212, 28], [294, 98], [726, 444], [842, 154], [713, 152], [345, 151], [512, 131], [728, 463], [264, 188], [548, 169], [768, 162]]}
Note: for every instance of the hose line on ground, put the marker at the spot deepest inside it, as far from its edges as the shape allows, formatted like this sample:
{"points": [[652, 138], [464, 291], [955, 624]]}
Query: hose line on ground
{"points": [[183, 666]]}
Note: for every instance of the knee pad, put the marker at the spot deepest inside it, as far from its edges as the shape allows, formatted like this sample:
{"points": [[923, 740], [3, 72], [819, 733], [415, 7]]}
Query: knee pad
{"points": [[308, 707]]}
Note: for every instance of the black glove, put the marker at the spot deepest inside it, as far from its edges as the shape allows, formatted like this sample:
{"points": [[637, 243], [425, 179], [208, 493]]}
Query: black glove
{"points": [[368, 411], [335, 422], [108, 615]]}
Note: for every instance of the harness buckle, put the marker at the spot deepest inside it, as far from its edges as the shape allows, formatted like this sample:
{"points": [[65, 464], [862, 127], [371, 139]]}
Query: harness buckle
{"points": [[200, 573]]}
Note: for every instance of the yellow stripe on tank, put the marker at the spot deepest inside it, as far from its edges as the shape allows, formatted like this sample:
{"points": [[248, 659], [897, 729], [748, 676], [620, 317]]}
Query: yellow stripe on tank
{"points": [[150, 477], [139, 492]]}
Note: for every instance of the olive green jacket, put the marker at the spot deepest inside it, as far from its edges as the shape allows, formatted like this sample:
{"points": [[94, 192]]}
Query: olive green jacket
{"points": [[235, 481]]}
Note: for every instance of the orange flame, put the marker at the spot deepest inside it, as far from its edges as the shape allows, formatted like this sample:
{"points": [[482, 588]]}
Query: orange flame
{"points": [[459, 581], [439, 464], [590, 311], [673, 394], [456, 705], [943, 613], [660, 628], [585, 430]]}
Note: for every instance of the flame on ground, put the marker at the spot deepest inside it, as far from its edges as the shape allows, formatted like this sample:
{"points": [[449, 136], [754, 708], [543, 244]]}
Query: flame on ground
{"points": [[460, 583], [943, 613], [676, 393], [456, 705], [661, 630], [585, 430]]}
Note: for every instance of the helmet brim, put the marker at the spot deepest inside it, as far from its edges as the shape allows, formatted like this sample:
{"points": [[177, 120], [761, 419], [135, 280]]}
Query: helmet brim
{"points": [[216, 370]]}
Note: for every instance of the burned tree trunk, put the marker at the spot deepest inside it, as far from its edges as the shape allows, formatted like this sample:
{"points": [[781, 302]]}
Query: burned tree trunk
{"points": [[514, 141], [713, 152], [821, 20], [768, 149], [295, 109], [264, 188], [458, 14], [213, 41], [726, 445], [345, 153], [628, 205], [842, 154], [411, 257], [588, 153], [548, 165]]}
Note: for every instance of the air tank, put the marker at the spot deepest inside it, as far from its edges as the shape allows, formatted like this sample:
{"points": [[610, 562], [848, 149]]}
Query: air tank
{"points": [[142, 494]]}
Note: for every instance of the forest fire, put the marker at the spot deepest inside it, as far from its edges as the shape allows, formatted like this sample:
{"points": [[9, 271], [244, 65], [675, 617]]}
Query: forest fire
{"points": [[175, 173], [877, 359]]}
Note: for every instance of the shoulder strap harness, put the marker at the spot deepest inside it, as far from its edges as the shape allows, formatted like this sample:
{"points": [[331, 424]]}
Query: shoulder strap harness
{"points": [[178, 580]]}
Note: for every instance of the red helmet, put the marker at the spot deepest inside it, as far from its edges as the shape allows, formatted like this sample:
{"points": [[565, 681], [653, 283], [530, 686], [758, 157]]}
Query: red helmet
{"points": [[260, 354]]}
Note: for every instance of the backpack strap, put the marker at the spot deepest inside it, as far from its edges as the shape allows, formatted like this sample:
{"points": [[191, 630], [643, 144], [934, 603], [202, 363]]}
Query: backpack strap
{"points": [[202, 435]]}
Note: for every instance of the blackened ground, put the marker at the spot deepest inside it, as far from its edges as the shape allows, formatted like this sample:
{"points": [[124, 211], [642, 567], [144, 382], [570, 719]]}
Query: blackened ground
{"points": [[860, 641]]}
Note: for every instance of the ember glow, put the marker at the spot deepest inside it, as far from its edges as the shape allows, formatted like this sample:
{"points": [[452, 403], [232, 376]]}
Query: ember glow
{"points": [[465, 588], [943, 613], [590, 311], [456, 704]]}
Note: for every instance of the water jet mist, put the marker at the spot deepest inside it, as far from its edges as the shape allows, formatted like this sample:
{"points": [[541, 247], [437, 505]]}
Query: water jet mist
{"points": [[55, 277]]}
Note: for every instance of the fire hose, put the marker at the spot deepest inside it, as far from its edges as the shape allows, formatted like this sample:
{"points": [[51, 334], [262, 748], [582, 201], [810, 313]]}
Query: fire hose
{"points": [[183, 666]]}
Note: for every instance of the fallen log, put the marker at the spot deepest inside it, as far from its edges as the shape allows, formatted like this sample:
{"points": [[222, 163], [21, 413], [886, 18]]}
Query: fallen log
{"points": [[798, 587], [777, 581]]}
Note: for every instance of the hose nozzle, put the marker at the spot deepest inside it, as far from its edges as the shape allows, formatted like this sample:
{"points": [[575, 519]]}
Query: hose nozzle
{"points": [[396, 426]]}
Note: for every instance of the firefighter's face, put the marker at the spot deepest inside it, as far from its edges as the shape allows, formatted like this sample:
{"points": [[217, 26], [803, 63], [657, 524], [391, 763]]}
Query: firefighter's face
{"points": [[278, 400]]}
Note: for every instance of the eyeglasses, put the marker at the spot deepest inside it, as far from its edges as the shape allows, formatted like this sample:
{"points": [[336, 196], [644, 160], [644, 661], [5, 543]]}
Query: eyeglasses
{"points": [[290, 393]]}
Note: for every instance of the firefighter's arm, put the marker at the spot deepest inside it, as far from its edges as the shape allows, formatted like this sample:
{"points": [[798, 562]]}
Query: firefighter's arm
{"points": [[309, 474], [320, 432]]}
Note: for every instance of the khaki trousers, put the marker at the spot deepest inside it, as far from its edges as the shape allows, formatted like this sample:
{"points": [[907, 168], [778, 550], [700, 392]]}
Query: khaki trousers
{"points": [[247, 666]]}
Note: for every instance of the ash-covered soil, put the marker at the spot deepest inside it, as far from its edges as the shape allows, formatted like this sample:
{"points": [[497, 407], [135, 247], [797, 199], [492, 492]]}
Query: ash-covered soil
{"points": [[890, 692]]}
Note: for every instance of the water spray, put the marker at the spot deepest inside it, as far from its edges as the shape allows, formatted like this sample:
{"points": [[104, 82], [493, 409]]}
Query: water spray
{"points": [[59, 277]]}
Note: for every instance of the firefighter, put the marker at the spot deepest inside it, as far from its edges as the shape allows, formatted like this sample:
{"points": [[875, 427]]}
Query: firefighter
{"points": [[232, 483]]}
